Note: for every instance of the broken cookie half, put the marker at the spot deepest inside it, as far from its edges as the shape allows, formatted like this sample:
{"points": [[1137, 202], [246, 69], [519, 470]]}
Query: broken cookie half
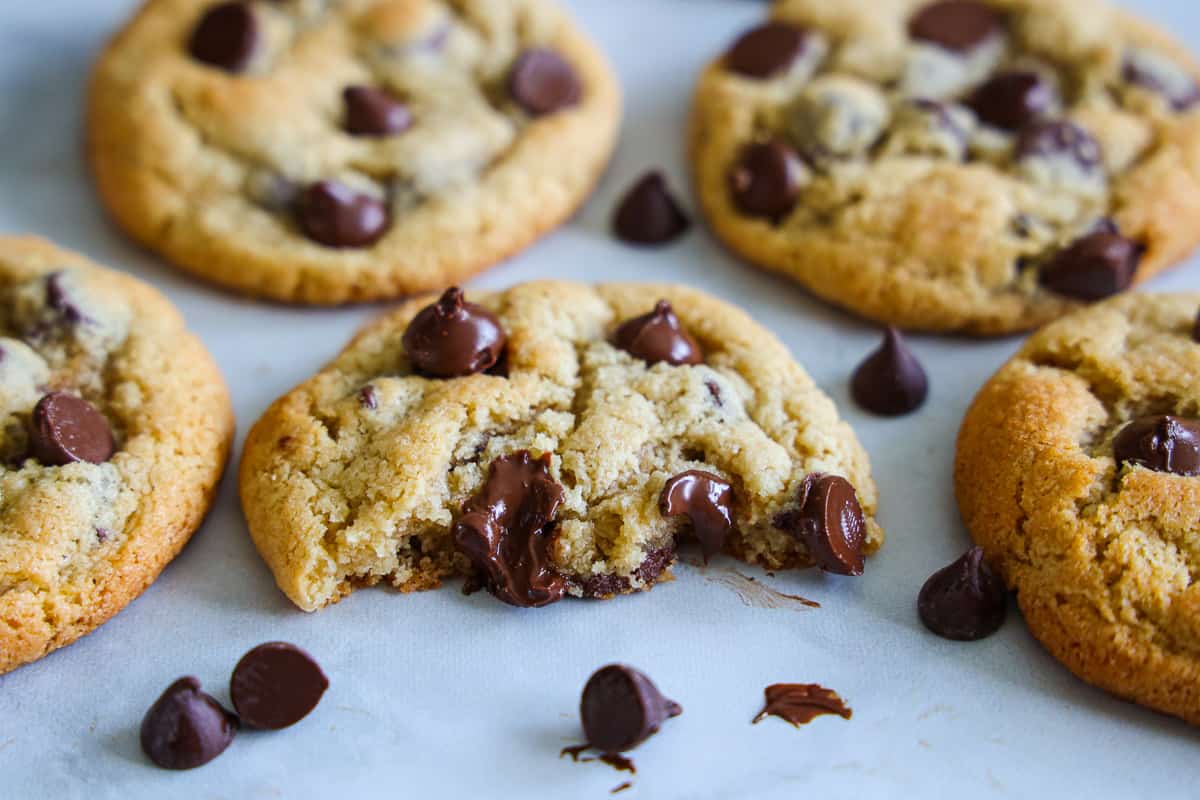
{"points": [[553, 440]]}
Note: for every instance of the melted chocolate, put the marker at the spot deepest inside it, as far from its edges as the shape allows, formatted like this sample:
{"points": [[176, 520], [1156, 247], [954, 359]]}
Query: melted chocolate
{"points": [[801, 703], [453, 338], [707, 502], [829, 522], [505, 531]]}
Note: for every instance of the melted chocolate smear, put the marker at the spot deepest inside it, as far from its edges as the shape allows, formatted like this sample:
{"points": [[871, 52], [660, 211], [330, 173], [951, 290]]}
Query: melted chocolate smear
{"points": [[620, 787], [965, 601], [505, 531], [1162, 443], [801, 703], [756, 594], [621, 708], [453, 338], [658, 336], [706, 500], [829, 522], [615, 760]]}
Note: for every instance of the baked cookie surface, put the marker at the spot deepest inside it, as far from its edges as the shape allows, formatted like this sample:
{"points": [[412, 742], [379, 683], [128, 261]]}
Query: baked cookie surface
{"points": [[114, 430], [549, 440], [320, 151], [978, 167], [1077, 471]]}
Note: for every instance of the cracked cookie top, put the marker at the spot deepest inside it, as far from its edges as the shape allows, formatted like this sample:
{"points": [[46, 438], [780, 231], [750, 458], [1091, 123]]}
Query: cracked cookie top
{"points": [[114, 426], [954, 165], [1077, 470], [612, 422], [326, 151]]}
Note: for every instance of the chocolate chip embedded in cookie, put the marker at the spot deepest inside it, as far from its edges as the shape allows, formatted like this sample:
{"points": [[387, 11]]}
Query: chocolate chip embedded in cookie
{"points": [[620, 426], [829, 521], [706, 501], [504, 531], [658, 336], [921, 163], [453, 338], [323, 152], [1093, 267], [114, 429], [1078, 472]]}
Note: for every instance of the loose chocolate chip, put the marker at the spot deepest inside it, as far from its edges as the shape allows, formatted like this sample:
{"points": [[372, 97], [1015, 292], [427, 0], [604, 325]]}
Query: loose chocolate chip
{"points": [[958, 25], [453, 338], [505, 531], [649, 214], [186, 728], [766, 180], [658, 336], [276, 685], [801, 703], [374, 112], [891, 381], [1093, 267], [1059, 138], [226, 36], [829, 522], [542, 82], [59, 300], [706, 500], [65, 429], [333, 214], [965, 601], [1162, 443], [767, 50], [1012, 100], [621, 708]]}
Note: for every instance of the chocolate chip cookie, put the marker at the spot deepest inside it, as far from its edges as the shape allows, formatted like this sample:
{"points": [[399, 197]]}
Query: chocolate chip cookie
{"points": [[1078, 471], [553, 440], [114, 429], [324, 152], [979, 167]]}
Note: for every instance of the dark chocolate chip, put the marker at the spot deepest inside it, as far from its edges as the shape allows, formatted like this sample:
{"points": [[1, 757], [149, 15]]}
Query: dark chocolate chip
{"points": [[1180, 90], [767, 50], [706, 500], [1059, 138], [649, 214], [658, 336], [1162, 443], [505, 531], [186, 728], [226, 36], [453, 338], [1093, 267], [276, 685], [59, 300], [801, 703], [891, 381], [957, 25], [375, 112], [965, 601], [65, 429], [653, 564], [333, 214], [766, 180], [829, 522], [621, 708], [368, 398], [542, 82], [1012, 100]]}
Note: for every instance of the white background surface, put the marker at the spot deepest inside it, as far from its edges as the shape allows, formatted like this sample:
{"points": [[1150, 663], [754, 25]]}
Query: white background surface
{"points": [[441, 695]]}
